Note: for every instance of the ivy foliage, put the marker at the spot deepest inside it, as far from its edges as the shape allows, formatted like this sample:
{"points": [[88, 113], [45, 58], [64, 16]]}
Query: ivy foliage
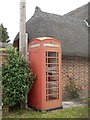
{"points": [[17, 78]]}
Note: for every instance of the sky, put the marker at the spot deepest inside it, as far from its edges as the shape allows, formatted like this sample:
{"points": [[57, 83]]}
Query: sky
{"points": [[10, 11]]}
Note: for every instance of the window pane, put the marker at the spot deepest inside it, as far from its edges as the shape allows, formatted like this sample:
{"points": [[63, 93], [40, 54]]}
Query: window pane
{"points": [[52, 91], [52, 73], [51, 66], [52, 60], [52, 54], [53, 78], [52, 97], [52, 84]]}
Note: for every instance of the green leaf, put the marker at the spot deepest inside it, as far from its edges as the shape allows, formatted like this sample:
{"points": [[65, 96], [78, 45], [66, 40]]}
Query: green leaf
{"points": [[17, 78]]}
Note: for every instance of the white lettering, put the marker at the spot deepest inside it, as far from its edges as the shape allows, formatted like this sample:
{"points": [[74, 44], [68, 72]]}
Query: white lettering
{"points": [[50, 45], [34, 45]]}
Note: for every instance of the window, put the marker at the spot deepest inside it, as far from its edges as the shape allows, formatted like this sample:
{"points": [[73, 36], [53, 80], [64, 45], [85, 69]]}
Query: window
{"points": [[52, 75]]}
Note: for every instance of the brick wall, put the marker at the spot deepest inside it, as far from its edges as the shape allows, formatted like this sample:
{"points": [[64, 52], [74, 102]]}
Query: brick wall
{"points": [[77, 66], [3, 55]]}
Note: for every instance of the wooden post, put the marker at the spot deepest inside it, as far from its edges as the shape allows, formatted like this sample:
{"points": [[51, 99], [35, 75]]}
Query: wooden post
{"points": [[22, 35]]}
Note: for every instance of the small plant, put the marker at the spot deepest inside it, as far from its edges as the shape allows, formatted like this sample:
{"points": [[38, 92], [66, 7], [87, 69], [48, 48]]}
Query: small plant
{"points": [[43, 112], [17, 78], [73, 88]]}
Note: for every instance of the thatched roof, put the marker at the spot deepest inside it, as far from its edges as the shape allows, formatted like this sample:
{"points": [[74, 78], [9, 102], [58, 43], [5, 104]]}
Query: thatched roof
{"points": [[79, 13], [73, 33]]}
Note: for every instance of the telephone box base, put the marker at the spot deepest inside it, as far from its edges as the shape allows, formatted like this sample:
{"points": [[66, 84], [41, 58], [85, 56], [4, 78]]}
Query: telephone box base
{"points": [[36, 109]]}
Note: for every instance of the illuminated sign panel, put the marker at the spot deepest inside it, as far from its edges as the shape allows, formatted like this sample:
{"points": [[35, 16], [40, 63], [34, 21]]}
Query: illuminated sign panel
{"points": [[34, 45], [50, 45]]}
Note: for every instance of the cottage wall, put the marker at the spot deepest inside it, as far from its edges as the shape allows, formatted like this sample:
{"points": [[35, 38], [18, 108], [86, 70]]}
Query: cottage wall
{"points": [[77, 66]]}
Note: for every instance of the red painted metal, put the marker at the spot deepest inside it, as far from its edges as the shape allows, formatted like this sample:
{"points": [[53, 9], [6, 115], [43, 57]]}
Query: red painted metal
{"points": [[44, 93]]}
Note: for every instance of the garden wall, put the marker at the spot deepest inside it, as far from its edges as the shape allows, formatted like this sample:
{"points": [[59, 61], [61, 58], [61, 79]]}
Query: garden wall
{"points": [[3, 55], [77, 66]]}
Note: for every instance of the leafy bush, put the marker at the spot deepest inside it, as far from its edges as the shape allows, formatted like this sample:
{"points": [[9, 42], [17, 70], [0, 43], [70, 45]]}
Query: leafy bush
{"points": [[73, 88], [17, 78]]}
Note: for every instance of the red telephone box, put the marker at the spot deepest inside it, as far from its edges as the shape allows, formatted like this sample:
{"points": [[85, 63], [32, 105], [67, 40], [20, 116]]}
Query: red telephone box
{"points": [[45, 56]]}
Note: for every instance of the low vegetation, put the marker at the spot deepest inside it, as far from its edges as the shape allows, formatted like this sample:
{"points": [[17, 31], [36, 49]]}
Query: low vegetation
{"points": [[17, 78], [74, 112]]}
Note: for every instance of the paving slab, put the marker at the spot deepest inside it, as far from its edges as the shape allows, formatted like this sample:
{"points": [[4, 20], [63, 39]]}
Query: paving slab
{"points": [[69, 104]]}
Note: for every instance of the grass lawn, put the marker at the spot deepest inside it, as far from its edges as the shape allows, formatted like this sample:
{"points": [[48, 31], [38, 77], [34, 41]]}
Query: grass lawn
{"points": [[74, 112]]}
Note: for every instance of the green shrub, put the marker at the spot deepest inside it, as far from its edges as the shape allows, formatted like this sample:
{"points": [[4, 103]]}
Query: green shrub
{"points": [[17, 78]]}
